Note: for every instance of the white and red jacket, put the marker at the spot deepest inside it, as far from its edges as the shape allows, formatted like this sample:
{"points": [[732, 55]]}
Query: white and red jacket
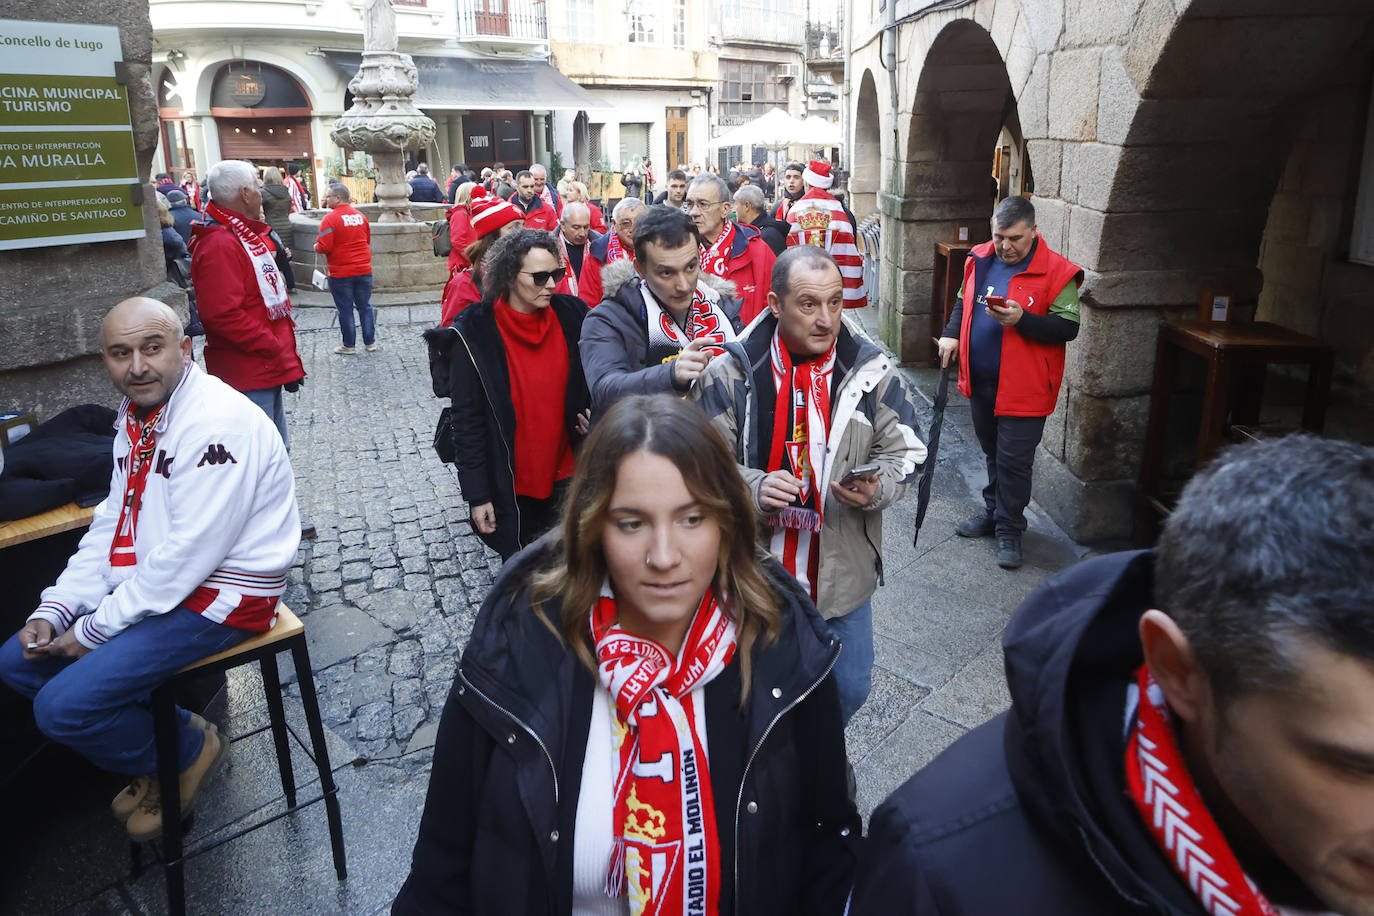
{"points": [[819, 219], [217, 531]]}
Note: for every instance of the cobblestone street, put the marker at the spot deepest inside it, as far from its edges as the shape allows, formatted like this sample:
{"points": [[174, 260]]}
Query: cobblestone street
{"points": [[388, 593]]}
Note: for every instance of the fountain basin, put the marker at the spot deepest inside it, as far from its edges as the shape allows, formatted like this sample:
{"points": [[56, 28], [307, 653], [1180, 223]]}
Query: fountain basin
{"points": [[403, 258]]}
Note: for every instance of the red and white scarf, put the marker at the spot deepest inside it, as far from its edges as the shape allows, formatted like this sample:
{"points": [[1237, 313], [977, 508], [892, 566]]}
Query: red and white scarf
{"points": [[270, 282], [705, 318], [143, 440], [801, 424], [667, 853], [715, 259], [614, 250], [1158, 781], [297, 190], [568, 284]]}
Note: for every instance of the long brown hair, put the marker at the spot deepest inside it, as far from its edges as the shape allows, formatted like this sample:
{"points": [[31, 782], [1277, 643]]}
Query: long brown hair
{"points": [[659, 424]]}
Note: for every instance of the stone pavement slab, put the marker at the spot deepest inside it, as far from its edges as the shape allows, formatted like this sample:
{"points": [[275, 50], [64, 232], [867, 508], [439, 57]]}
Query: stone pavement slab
{"points": [[389, 591]]}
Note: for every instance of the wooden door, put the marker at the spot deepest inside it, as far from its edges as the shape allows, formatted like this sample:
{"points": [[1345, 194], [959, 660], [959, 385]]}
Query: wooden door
{"points": [[493, 17], [675, 120]]}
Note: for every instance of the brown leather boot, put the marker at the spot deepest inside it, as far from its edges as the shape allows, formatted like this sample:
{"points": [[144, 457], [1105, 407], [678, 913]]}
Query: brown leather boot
{"points": [[123, 805], [146, 822]]}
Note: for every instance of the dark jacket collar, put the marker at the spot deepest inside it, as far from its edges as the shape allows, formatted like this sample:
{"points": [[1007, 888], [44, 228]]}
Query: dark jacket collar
{"points": [[1071, 648]]}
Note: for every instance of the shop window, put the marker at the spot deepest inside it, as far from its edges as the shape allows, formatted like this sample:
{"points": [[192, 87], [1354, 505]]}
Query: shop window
{"points": [[644, 28], [634, 144]]}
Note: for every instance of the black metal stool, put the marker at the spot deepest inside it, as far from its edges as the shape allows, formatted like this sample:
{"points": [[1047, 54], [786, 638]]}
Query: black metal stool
{"points": [[287, 634]]}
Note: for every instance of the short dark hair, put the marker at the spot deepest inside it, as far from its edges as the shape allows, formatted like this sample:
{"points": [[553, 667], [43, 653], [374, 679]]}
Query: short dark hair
{"points": [[808, 256], [794, 167], [524, 173], [677, 175], [1273, 540], [504, 260], [663, 225], [162, 176], [292, 168], [1013, 210]]}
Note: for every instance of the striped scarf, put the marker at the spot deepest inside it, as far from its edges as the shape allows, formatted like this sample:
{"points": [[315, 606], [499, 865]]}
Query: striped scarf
{"points": [[667, 852], [259, 249], [801, 423], [143, 440], [1159, 783], [715, 260]]}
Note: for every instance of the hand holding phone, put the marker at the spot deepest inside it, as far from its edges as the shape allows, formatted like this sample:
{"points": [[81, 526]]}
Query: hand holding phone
{"points": [[863, 470], [999, 302]]}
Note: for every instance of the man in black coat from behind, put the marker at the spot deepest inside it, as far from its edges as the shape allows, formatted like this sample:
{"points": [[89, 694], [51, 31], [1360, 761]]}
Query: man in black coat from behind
{"points": [[1191, 729], [752, 209], [424, 189]]}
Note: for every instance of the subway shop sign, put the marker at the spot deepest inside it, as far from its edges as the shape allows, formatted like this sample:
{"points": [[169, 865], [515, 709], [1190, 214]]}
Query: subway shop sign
{"points": [[67, 168]]}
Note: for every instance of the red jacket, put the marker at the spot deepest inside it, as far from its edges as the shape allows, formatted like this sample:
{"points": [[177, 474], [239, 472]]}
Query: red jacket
{"points": [[1028, 381], [461, 235], [244, 346], [346, 242], [539, 216], [459, 292], [750, 268]]}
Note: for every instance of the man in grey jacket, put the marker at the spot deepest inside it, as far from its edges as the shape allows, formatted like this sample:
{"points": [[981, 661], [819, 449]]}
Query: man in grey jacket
{"points": [[806, 400], [661, 320]]}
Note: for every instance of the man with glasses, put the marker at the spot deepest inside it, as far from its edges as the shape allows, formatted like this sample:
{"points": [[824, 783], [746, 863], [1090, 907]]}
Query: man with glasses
{"points": [[729, 250]]}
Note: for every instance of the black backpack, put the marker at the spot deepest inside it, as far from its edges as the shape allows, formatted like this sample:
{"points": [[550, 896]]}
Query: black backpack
{"points": [[440, 237]]}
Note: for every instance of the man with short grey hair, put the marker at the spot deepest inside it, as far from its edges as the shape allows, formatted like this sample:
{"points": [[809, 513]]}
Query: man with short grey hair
{"points": [[547, 193], [616, 245], [730, 250], [250, 337], [752, 210], [1016, 310], [574, 239]]}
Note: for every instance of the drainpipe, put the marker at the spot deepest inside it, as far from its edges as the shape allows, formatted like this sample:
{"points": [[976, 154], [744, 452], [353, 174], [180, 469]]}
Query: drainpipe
{"points": [[890, 65]]}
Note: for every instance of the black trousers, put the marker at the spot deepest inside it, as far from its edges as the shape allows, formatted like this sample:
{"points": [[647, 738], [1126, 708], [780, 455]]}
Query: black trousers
{"points": [[1009, 446], [538, 516]]}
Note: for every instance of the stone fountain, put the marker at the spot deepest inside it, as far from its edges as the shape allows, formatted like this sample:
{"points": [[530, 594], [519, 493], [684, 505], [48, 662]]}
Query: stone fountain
{"points": [[384, 123]]}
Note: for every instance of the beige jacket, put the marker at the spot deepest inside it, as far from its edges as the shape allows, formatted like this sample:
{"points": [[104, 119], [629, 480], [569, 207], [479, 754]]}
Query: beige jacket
{"points": [[873, 421]]}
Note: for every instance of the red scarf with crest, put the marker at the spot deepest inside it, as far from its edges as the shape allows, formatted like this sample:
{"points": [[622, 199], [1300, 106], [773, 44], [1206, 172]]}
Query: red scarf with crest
{"points": [[260, 252], [715, 260], [1158, 780], [667, 852], [143, 441]]}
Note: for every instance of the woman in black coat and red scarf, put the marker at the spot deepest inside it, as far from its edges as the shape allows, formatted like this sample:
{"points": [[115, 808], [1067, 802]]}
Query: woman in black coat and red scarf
{"points": [[518, 392]]}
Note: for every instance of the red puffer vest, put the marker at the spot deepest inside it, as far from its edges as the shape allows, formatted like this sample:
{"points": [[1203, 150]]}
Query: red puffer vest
{"points": [[1031, 371]]}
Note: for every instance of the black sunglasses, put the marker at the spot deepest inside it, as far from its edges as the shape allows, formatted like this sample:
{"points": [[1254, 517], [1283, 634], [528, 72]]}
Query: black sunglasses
{"points": [[542, 277]]}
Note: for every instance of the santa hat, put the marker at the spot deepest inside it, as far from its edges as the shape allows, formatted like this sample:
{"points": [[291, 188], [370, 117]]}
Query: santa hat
{"points": [[817, 174], [490, 213]]}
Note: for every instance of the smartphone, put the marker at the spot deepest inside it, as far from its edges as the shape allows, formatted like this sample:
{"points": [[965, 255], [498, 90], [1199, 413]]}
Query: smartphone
{"points": [[998, 301], [863, 470]]}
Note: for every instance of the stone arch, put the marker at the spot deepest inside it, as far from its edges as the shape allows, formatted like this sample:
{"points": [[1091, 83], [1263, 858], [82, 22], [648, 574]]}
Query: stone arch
{"points": [[1167, 191], [865, 182], [303, 76], [963, 101]]}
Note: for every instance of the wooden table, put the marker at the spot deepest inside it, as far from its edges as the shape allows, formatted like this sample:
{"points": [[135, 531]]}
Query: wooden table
{"points": [[1232, 351], [945, 283], [54, 521]]}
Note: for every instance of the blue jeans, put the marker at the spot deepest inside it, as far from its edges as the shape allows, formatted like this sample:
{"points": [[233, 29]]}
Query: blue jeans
{"points": [[269, 399], [349, 292], [854, 669], [98, 704]]}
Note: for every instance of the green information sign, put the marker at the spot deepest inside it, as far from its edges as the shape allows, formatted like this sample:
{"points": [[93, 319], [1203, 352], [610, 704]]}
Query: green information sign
{"points": [[67, 167]]}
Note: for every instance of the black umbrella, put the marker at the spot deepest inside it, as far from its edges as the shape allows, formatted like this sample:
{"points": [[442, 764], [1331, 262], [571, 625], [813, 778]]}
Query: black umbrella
{"points": [[932, 449]]}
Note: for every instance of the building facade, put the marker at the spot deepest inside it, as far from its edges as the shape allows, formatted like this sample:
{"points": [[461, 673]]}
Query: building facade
{"points": [[265, 81], [650, 63], [762, 66], [1170, 147]]}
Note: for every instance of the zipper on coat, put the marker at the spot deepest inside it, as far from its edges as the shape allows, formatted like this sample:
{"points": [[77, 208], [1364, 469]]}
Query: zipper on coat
{"points": [[744, 777], [553, 771], [510, 460]]}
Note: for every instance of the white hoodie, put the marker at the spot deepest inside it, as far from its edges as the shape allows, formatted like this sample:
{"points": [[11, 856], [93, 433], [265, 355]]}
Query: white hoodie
{"points": [[217, 529]]}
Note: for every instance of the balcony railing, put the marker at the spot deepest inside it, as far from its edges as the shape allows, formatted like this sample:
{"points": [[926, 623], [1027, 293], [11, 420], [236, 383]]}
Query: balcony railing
{"points": [[761, 22], [517, 20]]}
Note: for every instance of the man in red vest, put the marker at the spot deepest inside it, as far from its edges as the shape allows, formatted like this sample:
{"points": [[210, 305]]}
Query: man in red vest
{"points": [[1017, 308]]}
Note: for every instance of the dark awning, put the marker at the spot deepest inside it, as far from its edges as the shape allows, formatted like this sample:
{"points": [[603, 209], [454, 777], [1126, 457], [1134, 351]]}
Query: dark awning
{"points": [[486, 85]]}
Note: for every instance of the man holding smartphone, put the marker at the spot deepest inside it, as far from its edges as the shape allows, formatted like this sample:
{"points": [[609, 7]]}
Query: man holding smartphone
{"points": [[826, 436], [1017, 308]]}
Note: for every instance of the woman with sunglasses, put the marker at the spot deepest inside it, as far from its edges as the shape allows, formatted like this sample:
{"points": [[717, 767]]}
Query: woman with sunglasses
{"points": [[518, 392], [644, 719]]}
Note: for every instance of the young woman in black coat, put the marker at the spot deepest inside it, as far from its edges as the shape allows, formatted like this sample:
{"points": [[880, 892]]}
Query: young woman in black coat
{"points": [[644, 719], [518, 392]]}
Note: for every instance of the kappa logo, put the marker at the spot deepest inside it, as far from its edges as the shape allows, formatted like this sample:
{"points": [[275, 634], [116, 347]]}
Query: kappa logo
{"points": [[216, 454]]}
